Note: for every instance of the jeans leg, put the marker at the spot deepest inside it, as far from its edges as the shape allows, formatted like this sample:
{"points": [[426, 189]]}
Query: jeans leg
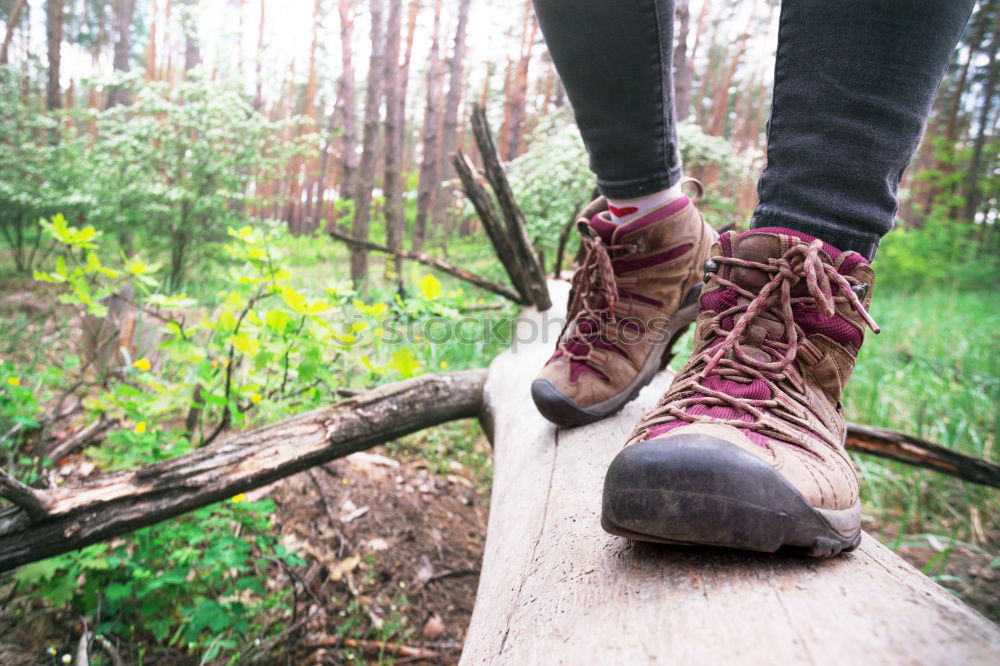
{"points": [[615, 60], [853, 85]]}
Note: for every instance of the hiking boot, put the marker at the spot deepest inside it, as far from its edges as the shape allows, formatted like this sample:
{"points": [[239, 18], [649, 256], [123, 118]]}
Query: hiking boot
{"points": [[635, 293], [746, 449]]}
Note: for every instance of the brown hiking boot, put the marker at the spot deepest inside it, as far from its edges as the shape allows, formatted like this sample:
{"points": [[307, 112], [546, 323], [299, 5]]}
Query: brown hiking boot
{"points": [[746, 449], [635, 293]]}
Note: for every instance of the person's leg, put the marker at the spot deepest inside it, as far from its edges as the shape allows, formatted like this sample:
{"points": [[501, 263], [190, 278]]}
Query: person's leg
{"points": [[853, 85], [746, 449], [645, 246], [615, 60]]}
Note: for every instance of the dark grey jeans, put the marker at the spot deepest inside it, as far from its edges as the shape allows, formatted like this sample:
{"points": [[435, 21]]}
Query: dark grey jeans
{"points": [[853, 85]]}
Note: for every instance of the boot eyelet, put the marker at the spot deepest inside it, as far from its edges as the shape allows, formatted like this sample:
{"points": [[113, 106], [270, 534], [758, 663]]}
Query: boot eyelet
{"points": [[710, 266], [861, 290]]}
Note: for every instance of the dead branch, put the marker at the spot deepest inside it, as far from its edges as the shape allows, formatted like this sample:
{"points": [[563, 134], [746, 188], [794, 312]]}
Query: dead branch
{"points": [[433, 262], [46, 523], [516, 229], [30, 501], [921, 453]]}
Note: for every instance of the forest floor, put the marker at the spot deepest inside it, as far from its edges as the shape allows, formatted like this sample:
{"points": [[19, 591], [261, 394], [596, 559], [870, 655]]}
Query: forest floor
{"points": [[393, 548]]}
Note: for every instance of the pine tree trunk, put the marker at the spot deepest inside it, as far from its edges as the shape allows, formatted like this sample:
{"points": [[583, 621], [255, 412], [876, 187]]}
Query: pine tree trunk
{"points": [[151, 47], [12, 17], [345, 103], [431, 139], [393, 182], [54, 35], [123, 11], [367, 168], [449, 134], [192, 55], [517, 99], [982, 133], [258, 100]]}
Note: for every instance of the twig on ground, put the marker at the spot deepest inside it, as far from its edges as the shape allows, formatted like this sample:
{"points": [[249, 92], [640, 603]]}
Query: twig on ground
{"points": [[453, 573], [376, 648], [116, 658]]}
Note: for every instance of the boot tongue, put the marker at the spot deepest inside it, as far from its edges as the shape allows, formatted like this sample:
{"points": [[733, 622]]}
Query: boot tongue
{"points": [[604, 227], [759, 245]]}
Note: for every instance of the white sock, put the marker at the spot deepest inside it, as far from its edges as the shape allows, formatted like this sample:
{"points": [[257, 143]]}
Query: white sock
{"points": [[625, 210]]}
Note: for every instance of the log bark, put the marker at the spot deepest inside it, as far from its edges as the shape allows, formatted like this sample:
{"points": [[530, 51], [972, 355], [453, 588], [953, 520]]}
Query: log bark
{"points": [[517, 233], [433, 262], [555, 588], [118, 503]]}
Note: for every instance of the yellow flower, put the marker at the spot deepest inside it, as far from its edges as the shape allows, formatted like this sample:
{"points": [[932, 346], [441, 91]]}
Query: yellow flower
{"points": [[14, 381], [139, 428], [378, 332], [215, 364], [142, 364], [256, 397], [241, 497], [444, 364]]}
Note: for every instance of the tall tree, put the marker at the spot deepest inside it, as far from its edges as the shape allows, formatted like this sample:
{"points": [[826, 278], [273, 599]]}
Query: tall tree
{"points": [[53, 37], [449, 134], [258, 99], [189, 23], [12, 18], [123, 11], [370, 144], [430, 138], [396, 77], [517, 97], [983, 121], [345, 110]]}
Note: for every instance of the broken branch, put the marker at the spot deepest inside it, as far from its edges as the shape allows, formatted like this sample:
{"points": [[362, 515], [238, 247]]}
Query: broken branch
{"points": [[433, 262]]}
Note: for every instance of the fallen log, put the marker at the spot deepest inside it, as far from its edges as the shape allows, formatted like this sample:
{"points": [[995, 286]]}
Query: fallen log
{"points": [[433, 262], [921, 453], [71, 517], [556, 589]]}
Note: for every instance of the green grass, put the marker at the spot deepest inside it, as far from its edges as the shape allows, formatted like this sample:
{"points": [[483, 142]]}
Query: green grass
{"points": [[934, 372]]}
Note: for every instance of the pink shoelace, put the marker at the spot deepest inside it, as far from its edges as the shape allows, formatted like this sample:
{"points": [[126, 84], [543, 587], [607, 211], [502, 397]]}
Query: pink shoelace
{"points": [[728, 359], [593, 300]]}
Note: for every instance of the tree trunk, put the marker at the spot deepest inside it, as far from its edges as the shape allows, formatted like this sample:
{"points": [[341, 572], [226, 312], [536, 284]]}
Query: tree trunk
{"points": [[123, 11], [553, 583], [517, 98], [683, 75], [449, 134], [430, 139], [151, 47], [258, 100], [373, 124], [54, 36], [12, 18], [395, 103], [982, 132], [192, 55], [345, 102]]}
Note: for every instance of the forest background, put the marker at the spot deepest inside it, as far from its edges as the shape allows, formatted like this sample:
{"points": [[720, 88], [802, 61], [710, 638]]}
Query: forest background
{"points": [[192, 157]]}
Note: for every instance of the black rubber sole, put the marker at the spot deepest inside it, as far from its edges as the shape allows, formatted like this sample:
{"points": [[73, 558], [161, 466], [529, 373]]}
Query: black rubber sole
{"points": [[700, 490], [559, 409]]}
